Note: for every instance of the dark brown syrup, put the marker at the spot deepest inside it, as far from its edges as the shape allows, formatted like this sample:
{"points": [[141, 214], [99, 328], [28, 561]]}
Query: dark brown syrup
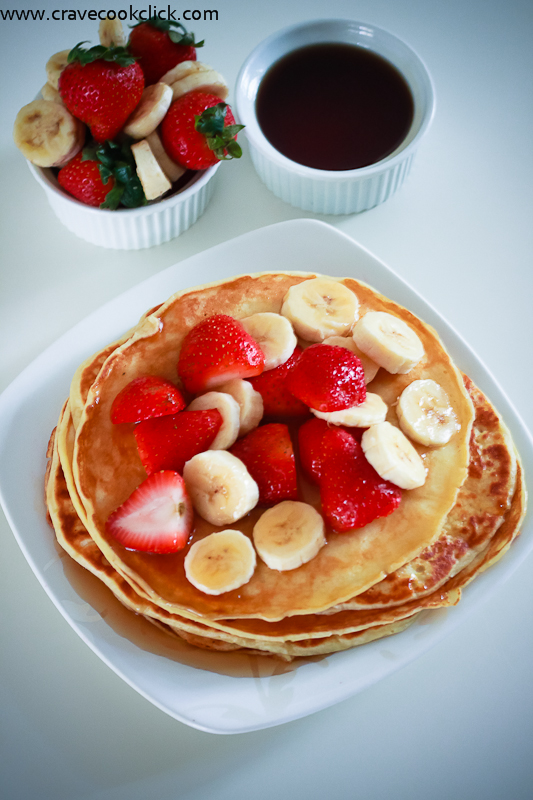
{"points": [[334, 106]]}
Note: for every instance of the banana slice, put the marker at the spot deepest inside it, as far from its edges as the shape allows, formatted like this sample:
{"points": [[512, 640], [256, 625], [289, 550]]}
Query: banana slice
{"points": [[183, 70], [49, 93], [221, 488], [220, 562], [425, 413], [370, 412], [153, 105], [289, 535], [229, 411], [172, 170], [370, 367], [111, 33], [55, 66], [47, 134], [388, 341], [393, 456], [250, 403], [154, 181], [274, 335], [319, 308], [207, 80]]}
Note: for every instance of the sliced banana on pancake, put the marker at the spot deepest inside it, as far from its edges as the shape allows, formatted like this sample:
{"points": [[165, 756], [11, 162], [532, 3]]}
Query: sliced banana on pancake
{"points": [[274, 334], [153, 105], [221, 488], [249, 400], [220, 562], [154, 181], [229, 411], [388, 341], [319, 308], [369, 412], [393, 456], [111, 33], [55, 66], [47, 134], [289, 534], [425, 413], [370, 367]]}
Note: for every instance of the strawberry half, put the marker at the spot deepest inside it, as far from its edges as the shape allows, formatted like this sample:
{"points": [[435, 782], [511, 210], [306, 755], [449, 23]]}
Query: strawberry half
{"points": [[268, 456], [156, 518], [272, 386], [351, 491], [160, 45], [328, 378], [145, 398], [169, 442], [311, 445], [218, 350], [199, 130], [101, 87]]}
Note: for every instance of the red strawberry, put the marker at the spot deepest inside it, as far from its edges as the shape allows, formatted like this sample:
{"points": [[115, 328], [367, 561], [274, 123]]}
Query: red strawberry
{"points": [[277, 400], [145, 398], [328, 378], [101, 87], [351, 491], [159, 47], [168, 442], [81, 178], [215, 351], [199, 130], [311, 445], [156, 518], [269, 458]]}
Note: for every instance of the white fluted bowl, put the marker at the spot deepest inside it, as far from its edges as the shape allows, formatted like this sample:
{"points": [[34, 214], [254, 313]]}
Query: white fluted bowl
{"points": [[132, 228], [331, 191]]}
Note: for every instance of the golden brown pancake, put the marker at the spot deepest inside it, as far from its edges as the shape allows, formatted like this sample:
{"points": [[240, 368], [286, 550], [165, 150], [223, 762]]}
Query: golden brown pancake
{"points": [[364, 584], [107, 467], [295, 636]]}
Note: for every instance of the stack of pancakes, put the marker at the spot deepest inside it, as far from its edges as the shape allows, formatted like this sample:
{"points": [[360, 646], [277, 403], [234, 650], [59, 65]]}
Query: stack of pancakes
{"points": [[364, 584]]}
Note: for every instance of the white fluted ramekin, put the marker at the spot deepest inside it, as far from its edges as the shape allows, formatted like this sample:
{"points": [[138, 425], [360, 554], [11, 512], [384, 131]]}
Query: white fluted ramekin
{"points": [[331, 191], [135, 228]]}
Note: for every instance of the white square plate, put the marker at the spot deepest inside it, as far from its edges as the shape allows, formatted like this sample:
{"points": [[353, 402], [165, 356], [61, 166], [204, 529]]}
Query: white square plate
{"points": [[248, 693]]}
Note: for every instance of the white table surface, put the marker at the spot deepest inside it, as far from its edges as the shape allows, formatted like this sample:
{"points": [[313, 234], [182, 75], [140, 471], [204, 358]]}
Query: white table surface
{"points": [[458, 722]]}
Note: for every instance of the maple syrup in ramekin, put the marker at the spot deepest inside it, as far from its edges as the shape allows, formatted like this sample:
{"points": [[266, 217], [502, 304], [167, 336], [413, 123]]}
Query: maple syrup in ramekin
{"points": [[334, 106]]}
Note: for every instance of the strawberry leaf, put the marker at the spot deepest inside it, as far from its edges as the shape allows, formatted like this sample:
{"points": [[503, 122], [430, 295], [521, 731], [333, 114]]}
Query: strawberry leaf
{"points": [[116, 161], [220, 138], [179, 36], [119, 55]]}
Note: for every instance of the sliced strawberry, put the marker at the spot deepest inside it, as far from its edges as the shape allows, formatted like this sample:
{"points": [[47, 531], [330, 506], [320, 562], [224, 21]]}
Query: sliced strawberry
{"points": [[156, 518], [351, 491], [145, 398], [311, 445], [277, 400], [217, 350], [168, 442], [328, 378], [269, 458]]}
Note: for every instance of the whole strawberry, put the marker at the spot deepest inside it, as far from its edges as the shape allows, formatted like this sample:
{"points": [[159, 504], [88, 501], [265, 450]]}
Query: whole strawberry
{"points": [[101, 87], [81, 178], [160, 45], [199, 130]]}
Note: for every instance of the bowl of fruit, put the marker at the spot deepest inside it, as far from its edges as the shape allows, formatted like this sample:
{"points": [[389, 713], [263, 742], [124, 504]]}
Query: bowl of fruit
{"points": [[127, 136]]}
